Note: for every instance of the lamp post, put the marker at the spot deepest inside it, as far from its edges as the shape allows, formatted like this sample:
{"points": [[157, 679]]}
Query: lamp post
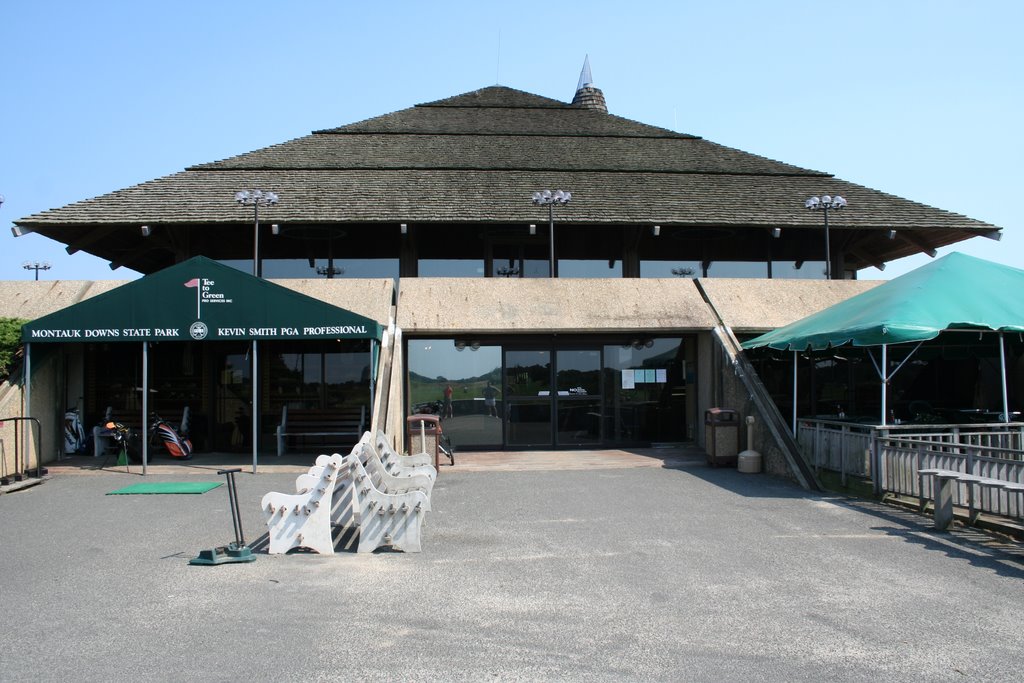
{"points": [[256, 198], [36, 266], [824, 203], [549, 199], [330, 270]]}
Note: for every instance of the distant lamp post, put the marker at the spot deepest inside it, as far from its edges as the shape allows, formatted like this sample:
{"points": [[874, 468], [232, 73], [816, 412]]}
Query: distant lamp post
{"points": [[256, 199], [330, 270], [549, 199], [36, 266], [824, 203]]}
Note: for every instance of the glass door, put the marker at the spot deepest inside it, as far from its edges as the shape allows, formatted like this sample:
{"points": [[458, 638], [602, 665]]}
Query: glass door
{"points": [[553, 404], [232, 429], [578, 399], [528, 398]]}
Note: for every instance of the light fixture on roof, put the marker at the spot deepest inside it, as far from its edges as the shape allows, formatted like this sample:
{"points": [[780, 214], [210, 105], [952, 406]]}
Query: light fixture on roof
{"points": [[824, 203], [275, 229], [776, 233], [330, 270], [404, 228], [533, 228], [36, 266], [549, 199], [146, 231], [256, 199], [891, 234], [656, 230]]}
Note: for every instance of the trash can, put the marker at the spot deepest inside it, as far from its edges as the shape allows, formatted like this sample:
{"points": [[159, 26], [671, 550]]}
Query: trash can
{"points": [[424, 430], [721, 436]]}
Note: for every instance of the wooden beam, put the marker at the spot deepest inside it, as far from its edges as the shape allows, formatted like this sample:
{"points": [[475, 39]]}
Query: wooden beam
{"points": [[93, 236], [911, 238], [868, 258]]}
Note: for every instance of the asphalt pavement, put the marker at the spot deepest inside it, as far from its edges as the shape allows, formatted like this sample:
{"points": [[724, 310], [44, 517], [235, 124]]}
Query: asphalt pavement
{"points": [[669, 573]]}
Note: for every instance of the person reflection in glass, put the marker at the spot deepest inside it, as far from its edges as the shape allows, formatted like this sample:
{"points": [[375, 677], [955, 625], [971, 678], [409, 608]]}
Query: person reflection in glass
{"points": [[446, 410], [490, 399]]}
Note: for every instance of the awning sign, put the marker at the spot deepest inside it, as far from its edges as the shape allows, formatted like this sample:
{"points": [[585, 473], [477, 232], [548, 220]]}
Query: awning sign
{"points": [[199, 299]]}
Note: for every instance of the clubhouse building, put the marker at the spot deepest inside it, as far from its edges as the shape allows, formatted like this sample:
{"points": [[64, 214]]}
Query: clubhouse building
{"points": [[413, 263]]}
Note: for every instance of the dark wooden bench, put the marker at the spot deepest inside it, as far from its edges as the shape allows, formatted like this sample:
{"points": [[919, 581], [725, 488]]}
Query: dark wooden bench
{"points": [[943, 492], [332, 427]]}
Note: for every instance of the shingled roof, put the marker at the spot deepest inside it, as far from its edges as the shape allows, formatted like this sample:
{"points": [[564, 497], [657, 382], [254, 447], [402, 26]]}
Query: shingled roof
{"points": [[475, 159]]}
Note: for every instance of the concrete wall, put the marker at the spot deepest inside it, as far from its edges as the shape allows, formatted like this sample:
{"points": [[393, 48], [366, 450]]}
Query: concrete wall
{"points": [[47, 397], [499, 306], [521, 306]]}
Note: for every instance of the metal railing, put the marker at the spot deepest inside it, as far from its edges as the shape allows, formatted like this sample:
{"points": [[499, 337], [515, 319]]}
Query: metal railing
{"points": [[891, 456]]}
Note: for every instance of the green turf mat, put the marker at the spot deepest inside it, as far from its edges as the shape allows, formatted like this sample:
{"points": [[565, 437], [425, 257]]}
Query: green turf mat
{"points": [[167, 487]]}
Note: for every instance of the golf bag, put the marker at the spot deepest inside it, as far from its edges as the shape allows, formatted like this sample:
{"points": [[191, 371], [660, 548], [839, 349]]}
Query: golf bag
{"points": [[177, 443], [126, 439], [74, 434]]}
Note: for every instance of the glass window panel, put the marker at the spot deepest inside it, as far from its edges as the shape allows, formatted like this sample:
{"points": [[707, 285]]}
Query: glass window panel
{"points": [[464, 387], [589, 269], [645, 391], [317, 374], [683, 269], [284, 269], [528, 373], [751, 269], [451, 267], [578, 372], [536, 268], [579, 422], [528, 397], [529, 421], [809, 270]]}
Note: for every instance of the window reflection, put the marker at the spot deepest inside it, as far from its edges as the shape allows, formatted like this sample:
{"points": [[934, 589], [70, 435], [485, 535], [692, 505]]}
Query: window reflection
{"points": [[645, 399], [285, 269], [589, 268], [462, 385], [681, 269], [450, 267], [798, 270], [311, 375]]}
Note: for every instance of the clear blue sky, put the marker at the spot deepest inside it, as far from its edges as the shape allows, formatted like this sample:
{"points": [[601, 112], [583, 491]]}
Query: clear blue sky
{"points": [[922, 99]]}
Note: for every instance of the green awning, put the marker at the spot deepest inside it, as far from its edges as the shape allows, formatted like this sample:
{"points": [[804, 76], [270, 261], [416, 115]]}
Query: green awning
{"points": [[199, 299], [956, 292]]}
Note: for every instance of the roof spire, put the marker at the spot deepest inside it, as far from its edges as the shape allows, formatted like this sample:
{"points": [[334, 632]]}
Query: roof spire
{"points": [[585, 77], [587, 96]]}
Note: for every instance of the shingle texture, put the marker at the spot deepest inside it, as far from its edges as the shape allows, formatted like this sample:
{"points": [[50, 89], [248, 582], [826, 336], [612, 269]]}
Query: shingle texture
{"points": [[477, 157]]}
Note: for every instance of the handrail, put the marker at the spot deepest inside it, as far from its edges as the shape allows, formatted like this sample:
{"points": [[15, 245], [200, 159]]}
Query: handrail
{"points": [[40, 470]]}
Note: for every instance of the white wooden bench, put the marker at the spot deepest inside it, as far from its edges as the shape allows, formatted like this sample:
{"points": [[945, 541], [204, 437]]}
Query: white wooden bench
{"points": [[943, 490], [351, 491]]}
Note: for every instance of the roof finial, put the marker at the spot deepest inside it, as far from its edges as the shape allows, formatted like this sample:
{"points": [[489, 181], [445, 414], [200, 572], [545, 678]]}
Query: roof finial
{"points": [[585, 77], [587, 96]]}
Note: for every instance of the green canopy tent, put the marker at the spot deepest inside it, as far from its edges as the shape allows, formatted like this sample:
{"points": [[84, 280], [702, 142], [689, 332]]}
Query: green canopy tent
{"points": [[954, 293], [199, 299]]}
